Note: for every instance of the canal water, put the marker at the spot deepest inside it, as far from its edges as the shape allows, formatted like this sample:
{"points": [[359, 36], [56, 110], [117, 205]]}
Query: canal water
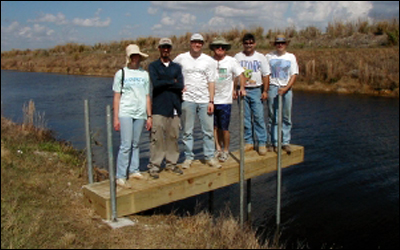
{"points": [[344, 195]]}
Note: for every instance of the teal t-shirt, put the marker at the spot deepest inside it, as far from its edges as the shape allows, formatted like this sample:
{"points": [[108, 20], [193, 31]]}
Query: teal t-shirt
{"points": [[136, 88]]}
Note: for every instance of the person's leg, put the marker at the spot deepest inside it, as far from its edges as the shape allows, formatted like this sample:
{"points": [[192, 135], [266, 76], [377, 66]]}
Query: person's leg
{"points": [[171, 139], [248, 124], [188, 119], [257, 109], [138, 126], [218, 135], [125, 149], [157, 144], [273, 113], [207, 127], [287, 117]]}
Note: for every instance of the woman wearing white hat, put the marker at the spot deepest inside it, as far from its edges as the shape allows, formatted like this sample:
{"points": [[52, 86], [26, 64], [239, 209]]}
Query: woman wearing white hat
{"points": [[131, 110]]}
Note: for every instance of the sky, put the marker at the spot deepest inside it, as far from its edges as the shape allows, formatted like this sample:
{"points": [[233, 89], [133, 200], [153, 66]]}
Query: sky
{"points": [[46, 24]]}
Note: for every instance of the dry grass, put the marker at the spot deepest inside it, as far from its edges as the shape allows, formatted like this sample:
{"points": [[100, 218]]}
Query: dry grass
{"points": [[42, 205], [361, 54]]}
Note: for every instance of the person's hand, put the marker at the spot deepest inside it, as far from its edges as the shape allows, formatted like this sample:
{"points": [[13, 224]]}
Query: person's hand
{"points": [[117, 124], [264, 95], [210, 109], [149, 123]]}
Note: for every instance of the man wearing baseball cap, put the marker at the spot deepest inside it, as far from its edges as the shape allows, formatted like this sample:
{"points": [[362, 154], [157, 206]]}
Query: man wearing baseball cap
{"points": [[199, 71], [167, 79]]}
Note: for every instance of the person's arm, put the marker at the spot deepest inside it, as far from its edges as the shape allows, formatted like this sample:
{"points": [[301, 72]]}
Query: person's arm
{"points": [[265, 80], [116, 101], [149, 122], [211, 90]]}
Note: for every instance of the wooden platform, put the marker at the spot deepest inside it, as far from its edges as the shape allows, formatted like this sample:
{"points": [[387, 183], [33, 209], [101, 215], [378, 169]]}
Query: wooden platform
{"points": [[200, 178]]}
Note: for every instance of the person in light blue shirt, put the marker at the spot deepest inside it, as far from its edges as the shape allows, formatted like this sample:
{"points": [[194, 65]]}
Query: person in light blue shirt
{"points": [[132, 109]]}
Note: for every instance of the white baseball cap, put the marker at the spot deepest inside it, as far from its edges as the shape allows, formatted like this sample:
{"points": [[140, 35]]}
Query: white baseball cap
{"points": [[197, 37]]}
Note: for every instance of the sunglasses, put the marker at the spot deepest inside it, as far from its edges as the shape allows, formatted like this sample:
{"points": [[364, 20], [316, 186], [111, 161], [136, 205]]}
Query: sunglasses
{"points": [[165, 46], [280, 43], [220, 47]]}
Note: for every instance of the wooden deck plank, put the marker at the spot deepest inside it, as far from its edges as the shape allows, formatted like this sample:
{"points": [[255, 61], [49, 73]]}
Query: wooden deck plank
{"points": [[200, 178]]}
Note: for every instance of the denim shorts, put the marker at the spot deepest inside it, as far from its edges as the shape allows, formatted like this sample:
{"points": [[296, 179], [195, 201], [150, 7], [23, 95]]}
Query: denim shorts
{"points": [[222, 116]]}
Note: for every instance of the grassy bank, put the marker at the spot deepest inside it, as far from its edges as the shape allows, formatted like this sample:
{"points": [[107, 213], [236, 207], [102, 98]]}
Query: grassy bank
{"points": [[42, 203], [354, 57]]}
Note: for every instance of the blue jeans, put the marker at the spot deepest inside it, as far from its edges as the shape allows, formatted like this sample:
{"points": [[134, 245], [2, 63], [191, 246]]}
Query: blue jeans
{"points": [[189, 111], [254, 117], [273, 104], [128, 155]]}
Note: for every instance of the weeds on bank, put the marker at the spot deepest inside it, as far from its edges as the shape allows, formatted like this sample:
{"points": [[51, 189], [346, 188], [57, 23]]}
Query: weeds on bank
{"points": [[42, 204]]}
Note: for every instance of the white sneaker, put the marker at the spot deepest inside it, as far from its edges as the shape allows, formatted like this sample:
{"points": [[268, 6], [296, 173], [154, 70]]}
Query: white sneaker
{"points": [[186, 164], [137, 176], [213, 163], [123, 183]]}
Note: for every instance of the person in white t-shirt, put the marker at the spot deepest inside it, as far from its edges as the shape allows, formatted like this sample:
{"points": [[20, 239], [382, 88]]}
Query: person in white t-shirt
{"points": [[199, 72], [131, 110], [284, 69], [228, 69], [257, 76]]}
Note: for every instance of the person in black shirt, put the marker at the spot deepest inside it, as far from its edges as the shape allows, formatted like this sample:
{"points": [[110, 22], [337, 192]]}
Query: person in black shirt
{"points": [[167, 81]]}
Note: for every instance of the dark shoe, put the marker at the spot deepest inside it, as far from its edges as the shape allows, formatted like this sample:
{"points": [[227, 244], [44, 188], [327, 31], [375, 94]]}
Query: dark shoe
{"points": [[287, 148], [174, 169], [153, 171]]}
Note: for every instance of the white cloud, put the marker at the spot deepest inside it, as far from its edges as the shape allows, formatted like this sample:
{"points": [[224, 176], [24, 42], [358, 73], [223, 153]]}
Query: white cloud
{"points": [[91, 22], [152, 11], [266, 14], [59, 19]]}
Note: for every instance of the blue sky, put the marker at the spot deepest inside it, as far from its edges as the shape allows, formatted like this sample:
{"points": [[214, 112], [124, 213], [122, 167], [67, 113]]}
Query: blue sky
{"points": [[39, 24]]}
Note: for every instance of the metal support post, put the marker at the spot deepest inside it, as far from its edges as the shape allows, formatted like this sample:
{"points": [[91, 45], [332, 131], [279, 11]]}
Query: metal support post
{"points": [[88, 142], [111, 165], [241, 174], [279, 170]]}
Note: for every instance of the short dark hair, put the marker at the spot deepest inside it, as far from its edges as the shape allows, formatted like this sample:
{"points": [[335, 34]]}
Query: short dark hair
{"points": [[248, 36]]}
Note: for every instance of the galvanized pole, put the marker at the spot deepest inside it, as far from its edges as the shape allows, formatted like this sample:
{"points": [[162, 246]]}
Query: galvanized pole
{"points": [[279, 171], [241, 173], [111, 166], [88, 142]]}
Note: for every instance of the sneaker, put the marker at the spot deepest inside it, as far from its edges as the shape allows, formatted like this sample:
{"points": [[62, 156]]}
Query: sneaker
{"points": [[174, 169], [217, 153], [137, 176], [262, 150], [123, 183], [186, 164], [270, 148], [223, 157], [287, 148], [213, 163], [248, 147]]}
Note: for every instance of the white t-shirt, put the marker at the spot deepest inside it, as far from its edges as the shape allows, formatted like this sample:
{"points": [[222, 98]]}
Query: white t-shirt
{"points": [[257, 65], [282, 68], [197, 74], [227, 69], [133, 101]]}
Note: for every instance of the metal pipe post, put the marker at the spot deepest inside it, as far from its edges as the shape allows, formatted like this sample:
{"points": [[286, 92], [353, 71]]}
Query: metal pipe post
{"points": [[279, 170], [241, 173], [111, 165], [88, 142]]}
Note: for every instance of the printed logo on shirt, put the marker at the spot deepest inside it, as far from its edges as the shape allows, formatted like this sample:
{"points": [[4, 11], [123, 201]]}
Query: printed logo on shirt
{"points": [[280, 69], [253, 65], [135, 81], [222, 74]]}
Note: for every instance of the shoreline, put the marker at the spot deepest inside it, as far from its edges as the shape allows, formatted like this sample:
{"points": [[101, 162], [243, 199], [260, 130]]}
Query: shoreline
{"points": [[343, 87]]}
